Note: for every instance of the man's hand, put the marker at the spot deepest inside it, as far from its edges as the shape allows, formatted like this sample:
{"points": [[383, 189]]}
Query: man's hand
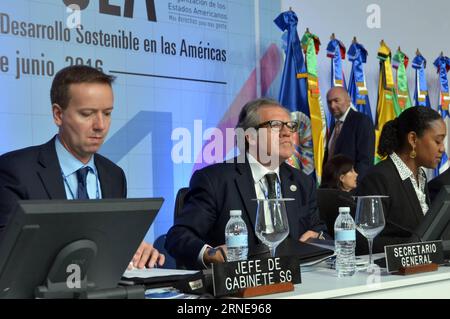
{"points": [[307, 235], [146, 255], [214, 255]]}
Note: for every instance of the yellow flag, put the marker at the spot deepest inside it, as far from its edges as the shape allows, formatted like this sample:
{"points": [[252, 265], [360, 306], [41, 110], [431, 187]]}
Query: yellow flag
{"points": [[387, 106], [310, 44]]}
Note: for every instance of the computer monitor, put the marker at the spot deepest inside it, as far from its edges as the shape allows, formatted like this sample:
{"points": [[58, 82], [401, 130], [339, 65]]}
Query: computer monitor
{"points": [[436, 224], [62, 248]]}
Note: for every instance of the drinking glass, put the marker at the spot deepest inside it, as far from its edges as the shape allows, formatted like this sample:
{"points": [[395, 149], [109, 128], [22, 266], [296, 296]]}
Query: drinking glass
{"points": [[369, 218], [272, 225]]}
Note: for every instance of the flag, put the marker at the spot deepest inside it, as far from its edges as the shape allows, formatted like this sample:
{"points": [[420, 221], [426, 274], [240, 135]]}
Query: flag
{"points": [[293, 92], [419, 63], [357, 87], [387, 104], [400, 63], [310, 44], [336, 51], [299, 92], [442, 63]]}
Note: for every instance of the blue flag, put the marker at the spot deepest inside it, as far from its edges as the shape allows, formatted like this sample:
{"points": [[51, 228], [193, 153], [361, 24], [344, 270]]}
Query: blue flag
{"points": [[421, 97], [442, 63], [357, 87], [293, 89], [293, 92], [336, 52]]}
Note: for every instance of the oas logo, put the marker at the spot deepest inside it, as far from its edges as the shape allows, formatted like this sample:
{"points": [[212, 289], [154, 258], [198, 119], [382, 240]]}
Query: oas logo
{"points": [[106, 8]]}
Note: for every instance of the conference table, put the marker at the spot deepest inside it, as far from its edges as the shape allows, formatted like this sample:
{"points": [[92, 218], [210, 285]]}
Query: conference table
{"points": [[321, 282]]}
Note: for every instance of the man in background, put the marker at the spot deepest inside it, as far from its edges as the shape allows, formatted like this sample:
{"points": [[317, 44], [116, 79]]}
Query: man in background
{"points": [[352, 133]]}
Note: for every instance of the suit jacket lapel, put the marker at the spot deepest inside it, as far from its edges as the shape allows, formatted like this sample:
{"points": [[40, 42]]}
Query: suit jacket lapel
{"points": [[287, 180], [50, 171], [330, 131], [348, 123], [408, 189], [246, 186], [413, 200], [106, 181]]}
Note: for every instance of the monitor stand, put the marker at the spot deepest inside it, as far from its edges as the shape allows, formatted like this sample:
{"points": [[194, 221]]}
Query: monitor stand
{"points": [[67, 278]]}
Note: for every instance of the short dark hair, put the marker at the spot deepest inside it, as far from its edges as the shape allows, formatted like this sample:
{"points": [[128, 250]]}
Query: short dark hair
{"points": [[394, 136], [75, 74], [333, 169]]}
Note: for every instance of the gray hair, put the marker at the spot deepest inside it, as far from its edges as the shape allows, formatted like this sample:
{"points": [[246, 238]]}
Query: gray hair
{"points": [[249, 117]]}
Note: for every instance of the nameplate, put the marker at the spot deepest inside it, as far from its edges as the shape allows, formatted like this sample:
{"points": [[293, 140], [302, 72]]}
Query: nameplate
{"points": [[413, 254], [231, 277]]}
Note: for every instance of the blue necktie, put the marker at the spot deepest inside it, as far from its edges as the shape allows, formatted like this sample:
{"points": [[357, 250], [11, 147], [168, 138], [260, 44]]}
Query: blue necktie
{"points": [[82, 188]]}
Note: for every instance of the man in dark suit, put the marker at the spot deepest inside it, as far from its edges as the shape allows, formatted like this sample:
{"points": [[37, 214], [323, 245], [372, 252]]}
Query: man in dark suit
{"points": [[352, 133], [265, 130], [68, 166]]}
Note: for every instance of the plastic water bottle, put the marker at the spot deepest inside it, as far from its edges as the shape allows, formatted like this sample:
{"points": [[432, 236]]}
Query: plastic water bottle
{"points": [[236, 237], [345, 243]]}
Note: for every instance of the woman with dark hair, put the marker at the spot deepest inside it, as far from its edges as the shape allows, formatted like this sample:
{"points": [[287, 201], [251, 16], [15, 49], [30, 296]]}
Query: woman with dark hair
{"points": [[339, 173], [336, 189], [411, 142]]}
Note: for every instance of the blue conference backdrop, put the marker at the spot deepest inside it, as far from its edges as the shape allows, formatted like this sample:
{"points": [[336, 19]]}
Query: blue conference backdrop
{"points": [[182, 67]]}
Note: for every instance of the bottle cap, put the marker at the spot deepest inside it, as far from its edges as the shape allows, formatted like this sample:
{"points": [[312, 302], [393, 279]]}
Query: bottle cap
{"points": [[236, 212], [344, 209]]}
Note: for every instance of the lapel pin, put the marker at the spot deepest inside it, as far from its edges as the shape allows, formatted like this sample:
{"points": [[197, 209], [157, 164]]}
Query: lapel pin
{"points": [[293, 188]]}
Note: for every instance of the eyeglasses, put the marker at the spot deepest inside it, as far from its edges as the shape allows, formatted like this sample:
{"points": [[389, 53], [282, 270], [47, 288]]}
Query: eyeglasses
{"points": [[277, 125]]}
